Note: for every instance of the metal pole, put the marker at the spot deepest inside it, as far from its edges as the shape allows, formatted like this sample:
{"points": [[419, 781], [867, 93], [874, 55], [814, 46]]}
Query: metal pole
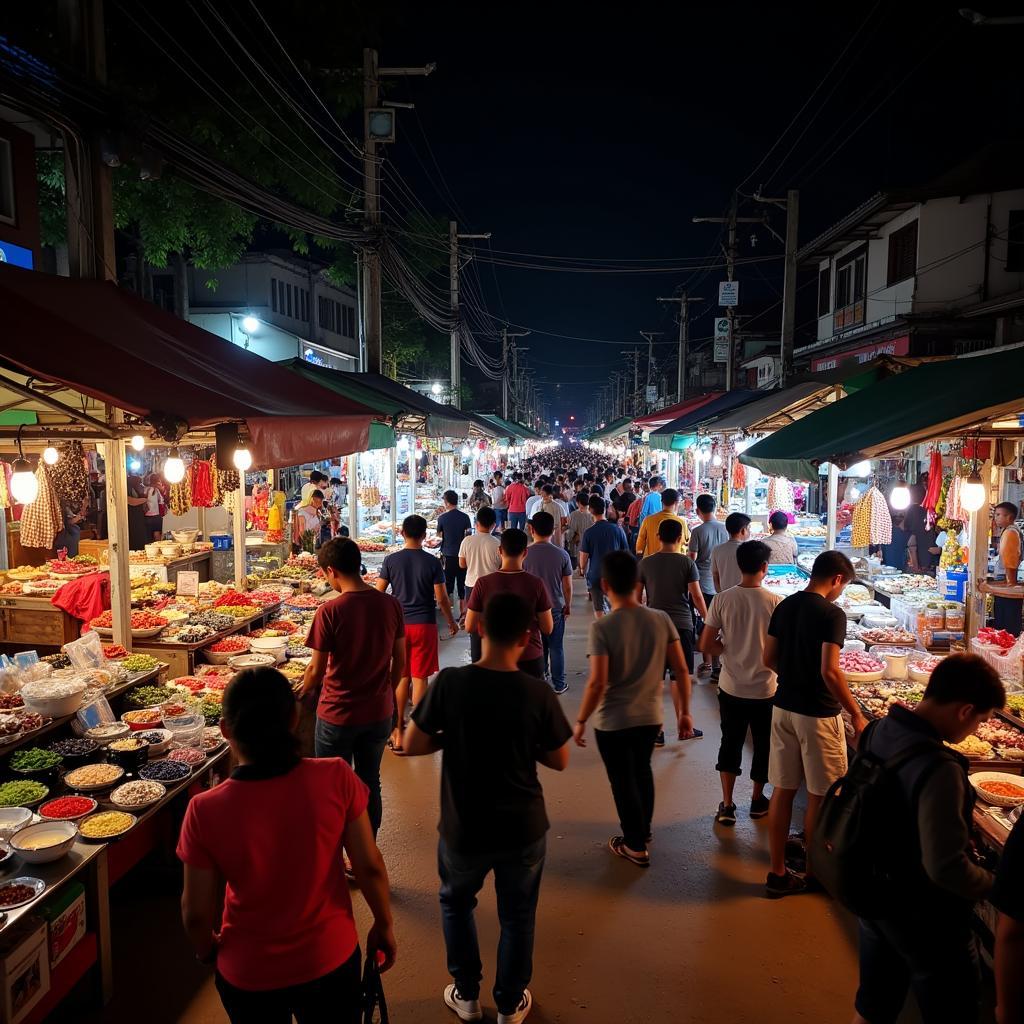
{"points": [[789, 285], [238, 532], [393, 473], [353, 498], [833, 503], [730, 256], [504, 369], [114, 463], [371, 293], [453, 276]]}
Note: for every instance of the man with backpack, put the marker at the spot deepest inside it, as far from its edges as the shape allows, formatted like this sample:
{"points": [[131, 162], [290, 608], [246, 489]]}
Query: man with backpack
{"points": [[805, 635], [893, 845]]}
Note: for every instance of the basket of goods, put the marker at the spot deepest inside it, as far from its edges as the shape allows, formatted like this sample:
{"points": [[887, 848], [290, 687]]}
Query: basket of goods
{"points": [[114, 652], [92, 777], [105, 826], [136, 664], [53, 698], [223, 650], [999, 788], [139, 793], [861, 667], [68, 808], [143, 624], [921, 666], [303, 602]]}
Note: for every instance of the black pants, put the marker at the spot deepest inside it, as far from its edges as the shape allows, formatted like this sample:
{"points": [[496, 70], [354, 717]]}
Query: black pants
{"points": [[533, 667], [1006, 614], [738, 715], [454, 575], [933, 955], [627, 760], [331, 999]]}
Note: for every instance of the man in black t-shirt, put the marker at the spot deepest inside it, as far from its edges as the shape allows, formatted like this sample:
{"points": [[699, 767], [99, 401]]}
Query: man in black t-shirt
{"points": [[1008, 898], [805, 636], [453, 525], [494, 723]]}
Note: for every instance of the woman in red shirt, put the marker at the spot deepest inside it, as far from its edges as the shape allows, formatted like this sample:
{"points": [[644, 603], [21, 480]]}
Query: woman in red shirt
{"points": [[283, 937]]}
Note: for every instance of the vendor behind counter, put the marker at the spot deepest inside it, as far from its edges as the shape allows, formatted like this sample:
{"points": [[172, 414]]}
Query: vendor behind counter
{"points": [[1007, 610]]}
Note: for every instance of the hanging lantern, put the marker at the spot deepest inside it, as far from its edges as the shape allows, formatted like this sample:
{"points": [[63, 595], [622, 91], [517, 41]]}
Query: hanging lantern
{"points": [[174, 468], [50, 455]]}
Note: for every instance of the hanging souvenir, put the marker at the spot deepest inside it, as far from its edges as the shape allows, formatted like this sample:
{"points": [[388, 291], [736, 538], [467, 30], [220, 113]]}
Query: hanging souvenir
{"points": [[68, 474], [201, 484]]}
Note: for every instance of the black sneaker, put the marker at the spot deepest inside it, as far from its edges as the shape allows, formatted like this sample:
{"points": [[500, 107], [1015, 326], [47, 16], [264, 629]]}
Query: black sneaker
{"points": [[660, 741], [759, 807], [726, 814], [559, 690], [789, 884]]}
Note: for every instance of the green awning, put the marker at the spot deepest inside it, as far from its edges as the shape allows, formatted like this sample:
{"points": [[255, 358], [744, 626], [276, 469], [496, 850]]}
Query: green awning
{"points": [[616, 429], [515, 431], [671, 442], [930, 401], [381, 435]]}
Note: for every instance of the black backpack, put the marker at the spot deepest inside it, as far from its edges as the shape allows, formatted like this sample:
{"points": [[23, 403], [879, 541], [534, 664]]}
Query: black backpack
{"points": [[856, 850]]}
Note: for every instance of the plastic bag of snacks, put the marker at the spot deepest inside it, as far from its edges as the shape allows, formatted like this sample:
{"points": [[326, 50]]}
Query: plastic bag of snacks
{"points": [[86, 652]]}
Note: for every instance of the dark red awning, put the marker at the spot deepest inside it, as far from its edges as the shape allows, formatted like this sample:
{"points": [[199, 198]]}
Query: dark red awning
{"points": [[112, 345]]}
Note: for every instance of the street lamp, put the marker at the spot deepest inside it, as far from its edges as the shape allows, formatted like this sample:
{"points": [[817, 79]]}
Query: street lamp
{"points": [[250, 324], [435, 388]]}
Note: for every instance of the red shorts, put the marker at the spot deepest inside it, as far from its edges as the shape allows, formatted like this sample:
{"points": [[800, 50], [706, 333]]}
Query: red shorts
{"points": [[421, 650]]}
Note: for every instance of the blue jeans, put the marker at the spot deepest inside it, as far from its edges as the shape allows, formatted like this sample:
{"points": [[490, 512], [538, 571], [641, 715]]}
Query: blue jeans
{"points": [[517, 520], [500, 515], [554, 651], [363, 747], [517, 875]]}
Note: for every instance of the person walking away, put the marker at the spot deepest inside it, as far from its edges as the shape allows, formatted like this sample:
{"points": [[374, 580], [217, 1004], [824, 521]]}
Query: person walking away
{"points": [[805, 635], [580, 521], [600, 539], [672, 585], [924, 555], [358, 644], [1008, 898], [512, 578], [648, 541], [924, 942], [707, 536], [725, 571], [284, 942], [628, 650], [652, 502], [735, 629], [479, 555], [516, 496], [498, 501], [534, 502], [479, 498], [494, 724], [558, 512], [453, 526], [154, 515], [416, 578], [782, 546], [551, 565], [632, 524], [623, 500]]}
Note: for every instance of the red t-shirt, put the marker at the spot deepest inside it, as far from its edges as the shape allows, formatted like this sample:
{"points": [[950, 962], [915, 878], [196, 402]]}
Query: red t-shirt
{"points": [[277, 843], [516, 495], [527, 586], [358, 631]]}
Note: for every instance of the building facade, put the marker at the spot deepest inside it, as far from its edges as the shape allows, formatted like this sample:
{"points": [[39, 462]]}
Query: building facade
{"points": [[280, 307]]}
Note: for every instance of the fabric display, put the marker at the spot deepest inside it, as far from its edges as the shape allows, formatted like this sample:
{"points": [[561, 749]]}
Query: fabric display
{"points": [[201, 483], [872, 521], [739, 475], [42, 520], [69, 476], [180, 498], [780, 495], [86, 597]]}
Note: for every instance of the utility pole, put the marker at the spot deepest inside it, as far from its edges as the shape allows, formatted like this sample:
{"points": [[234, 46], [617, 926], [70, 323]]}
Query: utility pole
{"points": [[632, 355], [650, 336], [378, 128], [731, 221], [791, 204], [456, 342], [516, 349], [684, 301], [508, 382]]}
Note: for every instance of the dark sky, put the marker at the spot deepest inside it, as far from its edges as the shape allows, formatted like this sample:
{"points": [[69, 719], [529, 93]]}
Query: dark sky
{"points": [[568, 131]]}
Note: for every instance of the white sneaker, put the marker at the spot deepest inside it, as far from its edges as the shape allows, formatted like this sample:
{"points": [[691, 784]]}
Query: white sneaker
{"points": [[519, 1015], [466, 1009]]}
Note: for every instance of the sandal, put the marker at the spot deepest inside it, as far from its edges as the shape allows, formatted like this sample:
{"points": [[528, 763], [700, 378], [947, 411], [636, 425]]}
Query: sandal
{"points": [[617, 844], [695, 735]]}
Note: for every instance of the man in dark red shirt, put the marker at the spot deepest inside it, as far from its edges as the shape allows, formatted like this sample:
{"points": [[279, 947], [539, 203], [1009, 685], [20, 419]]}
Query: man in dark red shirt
{"points": [[512, 578], [358, 643]]}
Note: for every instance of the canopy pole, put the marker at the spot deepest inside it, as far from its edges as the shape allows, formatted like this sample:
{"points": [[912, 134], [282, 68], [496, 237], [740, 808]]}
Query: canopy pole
{"points": [[353, 498], [393, 474], [114, 462], [238, 532], [977, 544], [833, 502]]}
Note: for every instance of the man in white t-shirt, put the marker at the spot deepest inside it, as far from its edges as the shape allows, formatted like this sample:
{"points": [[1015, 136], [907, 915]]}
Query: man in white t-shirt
{"points": [[735, 629], [500, 505], [534, 503], [479, 555]]}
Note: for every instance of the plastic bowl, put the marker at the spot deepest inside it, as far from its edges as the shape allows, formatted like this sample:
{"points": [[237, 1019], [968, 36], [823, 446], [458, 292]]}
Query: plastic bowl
{"points": [[252, 660], [185, 536], [159, 748], [34, 696], [12, 819], [52, 839], [1000, 801]]}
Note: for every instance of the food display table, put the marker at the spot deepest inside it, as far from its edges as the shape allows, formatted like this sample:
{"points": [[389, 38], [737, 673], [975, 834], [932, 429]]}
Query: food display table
{"points": [[181, 658], [167, 569], [34, 621]]}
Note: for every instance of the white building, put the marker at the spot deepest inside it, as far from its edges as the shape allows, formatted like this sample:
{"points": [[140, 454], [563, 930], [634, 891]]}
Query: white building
{"points": [[278, 307], [937, 269]]}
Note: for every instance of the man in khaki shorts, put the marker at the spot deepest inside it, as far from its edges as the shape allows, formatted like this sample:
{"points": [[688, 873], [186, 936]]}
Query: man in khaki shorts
{"points": [[805, 635]]}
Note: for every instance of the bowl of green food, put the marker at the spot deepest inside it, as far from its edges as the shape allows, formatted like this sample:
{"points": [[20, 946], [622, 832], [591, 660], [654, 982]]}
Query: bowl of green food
{"points": [[22, 793]]}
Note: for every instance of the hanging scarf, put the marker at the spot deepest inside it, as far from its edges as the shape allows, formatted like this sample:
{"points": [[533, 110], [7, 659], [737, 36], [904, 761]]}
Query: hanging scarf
{"points": [[42, 520], [69, 476]]}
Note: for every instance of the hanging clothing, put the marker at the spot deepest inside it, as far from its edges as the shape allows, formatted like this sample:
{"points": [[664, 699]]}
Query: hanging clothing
{"points": [[42, 520], [86, 597], [202, 484]]}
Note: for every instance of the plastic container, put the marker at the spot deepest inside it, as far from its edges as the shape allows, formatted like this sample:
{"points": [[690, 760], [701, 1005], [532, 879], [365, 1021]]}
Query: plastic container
{"points": [[877, 621], [935, 617], [855, 645], [954, 617], [895, 665], [54, 699]]}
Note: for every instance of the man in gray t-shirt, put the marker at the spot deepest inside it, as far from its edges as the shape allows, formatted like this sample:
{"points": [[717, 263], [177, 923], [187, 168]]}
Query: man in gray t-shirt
{"points": [[703, 541]]}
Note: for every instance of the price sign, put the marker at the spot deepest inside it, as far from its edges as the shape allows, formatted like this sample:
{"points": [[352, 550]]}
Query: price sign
{"points": [[187, 583]]}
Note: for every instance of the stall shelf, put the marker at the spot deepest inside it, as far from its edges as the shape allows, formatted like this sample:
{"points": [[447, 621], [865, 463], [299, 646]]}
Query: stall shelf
{"points": [[27, 619]]}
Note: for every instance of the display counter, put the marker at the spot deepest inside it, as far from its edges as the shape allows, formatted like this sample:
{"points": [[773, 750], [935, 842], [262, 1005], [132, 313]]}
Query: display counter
{"points": [[167, 569], [34, 621]]}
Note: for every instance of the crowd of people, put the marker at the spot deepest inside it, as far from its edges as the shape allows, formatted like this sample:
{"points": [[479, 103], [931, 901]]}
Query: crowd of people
{"points": [[661, 596]]}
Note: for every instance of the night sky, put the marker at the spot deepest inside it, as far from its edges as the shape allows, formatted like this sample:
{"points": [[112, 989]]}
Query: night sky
{"points": [[569, 131]]}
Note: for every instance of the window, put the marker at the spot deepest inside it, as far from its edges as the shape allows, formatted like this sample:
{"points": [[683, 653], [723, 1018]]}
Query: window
{"points": [[903, 253], [1015, 242], [328, 316], [349, 323], [280, 297], [824, 287], [337, 318], [288, 293], [851, 280], [7, 210], [273, 294]]}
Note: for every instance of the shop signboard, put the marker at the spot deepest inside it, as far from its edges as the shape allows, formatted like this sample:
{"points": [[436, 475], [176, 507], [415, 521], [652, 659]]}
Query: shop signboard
{"points": [[16, 255], [728, 293], [892, 347], [721, 339], [404, 503], [651, 393]]}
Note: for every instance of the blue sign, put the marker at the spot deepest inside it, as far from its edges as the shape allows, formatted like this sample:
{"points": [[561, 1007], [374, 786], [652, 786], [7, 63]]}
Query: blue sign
{"points": [[15, 254]]}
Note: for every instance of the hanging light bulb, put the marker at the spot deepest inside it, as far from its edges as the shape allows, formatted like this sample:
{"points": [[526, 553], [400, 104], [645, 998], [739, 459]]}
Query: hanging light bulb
{"points": [[174, 468], [466, 453], [242, 459], [138, 442], [900, 496], [50, 455], [24, 485], [972, 493], [716, 459]]}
